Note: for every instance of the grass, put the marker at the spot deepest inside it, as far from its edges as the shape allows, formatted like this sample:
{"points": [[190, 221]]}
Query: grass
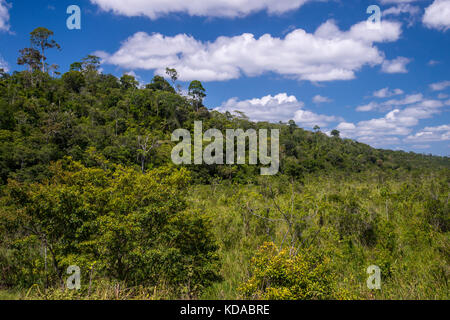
{"points": [[9, 295]]}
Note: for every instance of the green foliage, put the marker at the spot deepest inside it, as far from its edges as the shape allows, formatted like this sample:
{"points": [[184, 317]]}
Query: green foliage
{"points": [[278, 275], [74, 81], [86, 178], [131, 226], [197, 93], [40, 39]]}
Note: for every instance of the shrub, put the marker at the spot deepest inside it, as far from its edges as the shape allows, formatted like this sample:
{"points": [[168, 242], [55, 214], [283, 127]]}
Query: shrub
{"points": [[277, 275]]}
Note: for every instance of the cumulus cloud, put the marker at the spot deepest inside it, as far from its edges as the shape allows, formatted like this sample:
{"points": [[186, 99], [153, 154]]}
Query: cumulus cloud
{"points": [[346, 126], [372, 106], [310, 119], [280, 107], [390, 104], [437, 15], [320, 99], [4, 15], [402, 8], [210, 8], [326, 55], [431, 134], [409, 99], [398, 122], [439, 86], [397, 65], [412, 12], [386, 93]]}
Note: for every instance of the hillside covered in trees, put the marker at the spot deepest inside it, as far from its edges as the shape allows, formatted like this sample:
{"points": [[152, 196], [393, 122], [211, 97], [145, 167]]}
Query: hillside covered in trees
{"points": [[86, 179]]}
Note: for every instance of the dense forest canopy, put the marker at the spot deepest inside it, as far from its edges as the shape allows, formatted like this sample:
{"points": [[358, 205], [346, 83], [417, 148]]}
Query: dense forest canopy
{"points": [[86, 179]]}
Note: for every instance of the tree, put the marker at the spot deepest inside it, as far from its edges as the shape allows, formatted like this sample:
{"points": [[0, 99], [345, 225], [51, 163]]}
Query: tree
{"points": [[76, 66], [128, 81], [197, 93], [90, 63], [173, 74], [316, 128], [40, 40], [159, 83], [144, 149], [30, 57], [335, 133], [54, 69], [134, 226], [292, 126], [74, 80]]}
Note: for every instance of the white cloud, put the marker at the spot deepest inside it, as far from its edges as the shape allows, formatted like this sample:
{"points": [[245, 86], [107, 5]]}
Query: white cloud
{"points": [[402, 8], [442, 96], [346, 126], [210, 8], [439, 86], [386, 93], [396, 123], [412, 12], [280, 107], [421, 146], [372, 106], [4, 15], [431, 134], [310, 119], [390, 104], [397, 1], [397, 65], [3, 64], [437, 15], [409, 99], [320, 99], [328, 54]]}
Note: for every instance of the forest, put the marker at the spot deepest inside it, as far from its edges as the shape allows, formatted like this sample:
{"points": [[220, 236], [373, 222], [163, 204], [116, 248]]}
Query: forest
{"points": [[86, 179]]}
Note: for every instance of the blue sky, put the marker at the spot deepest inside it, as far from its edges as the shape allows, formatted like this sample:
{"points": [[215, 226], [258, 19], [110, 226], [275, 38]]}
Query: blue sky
{"points": [[317, 62]]}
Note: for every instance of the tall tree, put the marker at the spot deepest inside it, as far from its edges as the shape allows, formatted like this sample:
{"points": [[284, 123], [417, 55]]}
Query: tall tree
{"points": [[30, 57], [145, 146], [159, 83], [197, 93], [335, 133], [76, 66], [128, 82], [173, 74], [91, 63], [41, 40]]}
